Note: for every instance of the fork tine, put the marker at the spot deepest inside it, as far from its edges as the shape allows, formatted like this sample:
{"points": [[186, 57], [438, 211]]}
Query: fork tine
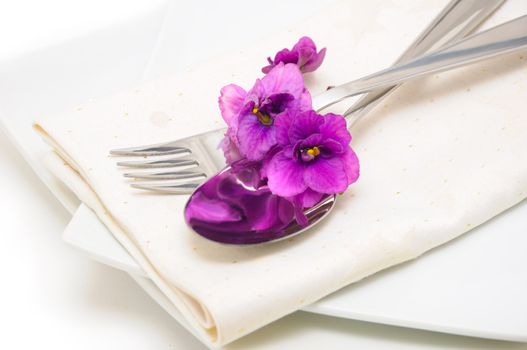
{"points": [[167, 187], [151, 150], [165, 163], [165, 175]]}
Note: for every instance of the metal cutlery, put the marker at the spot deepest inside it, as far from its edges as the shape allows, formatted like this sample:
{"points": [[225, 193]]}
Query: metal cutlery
{"points": [[234, 190], [180, 166]]}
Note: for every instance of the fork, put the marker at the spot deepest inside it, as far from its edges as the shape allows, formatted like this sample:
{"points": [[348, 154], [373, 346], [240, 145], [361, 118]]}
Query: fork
{"points": [[180, 166]]}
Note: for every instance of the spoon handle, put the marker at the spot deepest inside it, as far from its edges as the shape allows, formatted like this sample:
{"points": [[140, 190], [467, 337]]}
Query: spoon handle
{"points": [[505, 38], [457, 20]]}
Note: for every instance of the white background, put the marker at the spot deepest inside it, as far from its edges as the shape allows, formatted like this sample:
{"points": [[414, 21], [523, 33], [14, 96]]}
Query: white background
{"points": [[53, 297]]}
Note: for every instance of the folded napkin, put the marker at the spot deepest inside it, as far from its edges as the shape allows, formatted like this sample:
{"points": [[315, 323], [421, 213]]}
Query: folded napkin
{"points": [[440, 156]]}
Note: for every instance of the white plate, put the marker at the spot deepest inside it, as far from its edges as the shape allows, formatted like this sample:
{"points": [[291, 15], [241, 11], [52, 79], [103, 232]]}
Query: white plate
{"points": [[474, 285]]}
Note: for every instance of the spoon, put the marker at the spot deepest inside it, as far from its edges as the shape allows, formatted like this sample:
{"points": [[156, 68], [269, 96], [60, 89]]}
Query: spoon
{"points": [[236, 206]]}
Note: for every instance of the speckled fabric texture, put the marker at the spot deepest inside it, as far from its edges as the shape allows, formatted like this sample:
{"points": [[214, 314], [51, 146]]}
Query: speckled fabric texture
{"points": [[440, 156]]}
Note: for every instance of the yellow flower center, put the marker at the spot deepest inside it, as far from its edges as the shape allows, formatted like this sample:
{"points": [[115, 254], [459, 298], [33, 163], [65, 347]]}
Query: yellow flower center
{"points": [[262, 117], [313, 151]]}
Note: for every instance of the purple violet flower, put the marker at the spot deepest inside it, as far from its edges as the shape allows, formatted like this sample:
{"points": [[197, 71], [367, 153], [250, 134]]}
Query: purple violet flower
{"points": [[250, 115], [304, 55], [315, 157]]}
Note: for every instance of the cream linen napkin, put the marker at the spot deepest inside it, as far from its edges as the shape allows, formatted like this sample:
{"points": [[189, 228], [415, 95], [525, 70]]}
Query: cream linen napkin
{"points": [[438, 157]]}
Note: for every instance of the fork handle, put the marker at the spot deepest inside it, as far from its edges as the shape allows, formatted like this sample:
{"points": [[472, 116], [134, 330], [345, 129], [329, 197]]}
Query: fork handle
{"points": [[508, 37], [457, 20]]}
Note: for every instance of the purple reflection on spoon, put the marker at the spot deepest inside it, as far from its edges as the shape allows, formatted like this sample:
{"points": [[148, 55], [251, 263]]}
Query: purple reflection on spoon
{"points": [[237, 207]]}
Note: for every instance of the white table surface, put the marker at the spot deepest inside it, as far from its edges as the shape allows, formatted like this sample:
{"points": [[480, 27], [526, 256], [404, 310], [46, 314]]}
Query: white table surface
{"points": [[53, 297]]}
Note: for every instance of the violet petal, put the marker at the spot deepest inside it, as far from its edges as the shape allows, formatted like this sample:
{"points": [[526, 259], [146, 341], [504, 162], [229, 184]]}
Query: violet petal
{"points": [[326, 175], [334, 127], [255, 138], [284, 78], [231, 101], [305, 124], [314, 62], [285, 175]]}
